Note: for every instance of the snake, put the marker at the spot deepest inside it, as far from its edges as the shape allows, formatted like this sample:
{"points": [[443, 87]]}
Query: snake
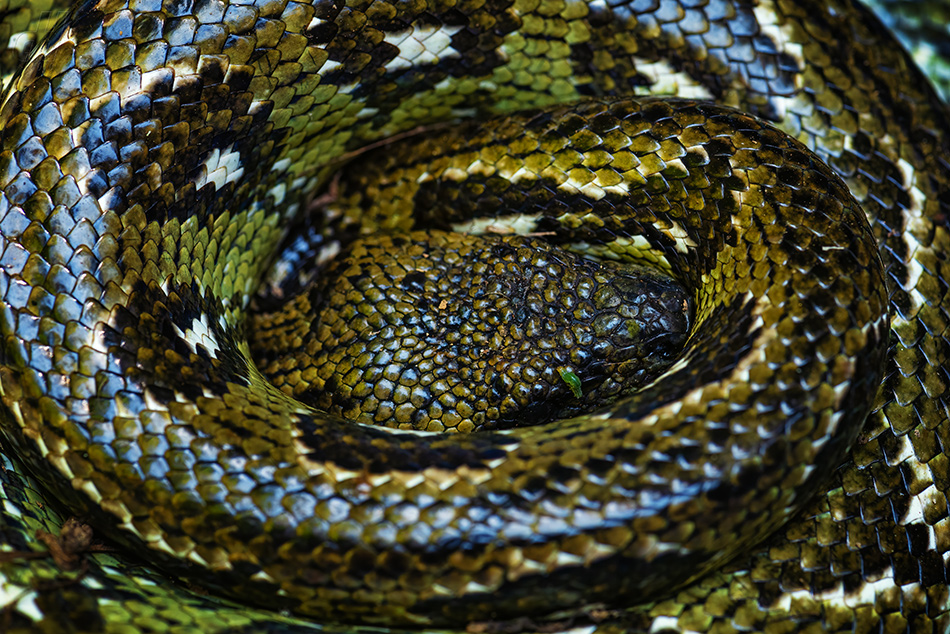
{"points": [[784, 160]]}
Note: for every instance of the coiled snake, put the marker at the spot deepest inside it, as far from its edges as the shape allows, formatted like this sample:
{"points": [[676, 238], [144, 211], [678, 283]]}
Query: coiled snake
{"points": [[152, 152]]}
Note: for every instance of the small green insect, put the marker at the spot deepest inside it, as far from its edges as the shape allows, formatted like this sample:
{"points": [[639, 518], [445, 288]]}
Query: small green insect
{"points": [[573, 381]]}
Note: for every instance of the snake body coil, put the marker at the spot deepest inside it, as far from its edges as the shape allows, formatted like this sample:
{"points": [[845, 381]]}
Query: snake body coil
{"points": [[154, 153]]}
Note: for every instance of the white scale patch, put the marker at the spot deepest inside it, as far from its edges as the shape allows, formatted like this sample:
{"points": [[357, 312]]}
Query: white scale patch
{"points": [[681, 240], [904, 452], [328, 252], [221, 167], [664, 624], [915, 516], [839, 598], [916, 507], [915, 225], [25, 603], [519, 224], [910, 183], [666, 80], [199, 335], [21, 41], [592, 190], [421, 45], [914, 270]]}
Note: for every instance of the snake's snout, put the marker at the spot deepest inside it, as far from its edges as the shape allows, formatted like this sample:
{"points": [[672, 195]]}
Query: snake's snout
{"points": [[657, 309]]}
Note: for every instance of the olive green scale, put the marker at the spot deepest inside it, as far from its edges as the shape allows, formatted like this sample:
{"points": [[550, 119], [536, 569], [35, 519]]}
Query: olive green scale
{"points": [[157, 158]]}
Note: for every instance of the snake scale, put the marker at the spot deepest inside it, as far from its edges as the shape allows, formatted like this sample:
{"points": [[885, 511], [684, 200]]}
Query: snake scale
{"points": [[153, 154]]}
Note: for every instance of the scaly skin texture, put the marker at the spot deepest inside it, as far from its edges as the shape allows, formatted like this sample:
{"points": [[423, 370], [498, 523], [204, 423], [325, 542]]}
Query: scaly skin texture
{"points": [[438, 331], [151, 154]]}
